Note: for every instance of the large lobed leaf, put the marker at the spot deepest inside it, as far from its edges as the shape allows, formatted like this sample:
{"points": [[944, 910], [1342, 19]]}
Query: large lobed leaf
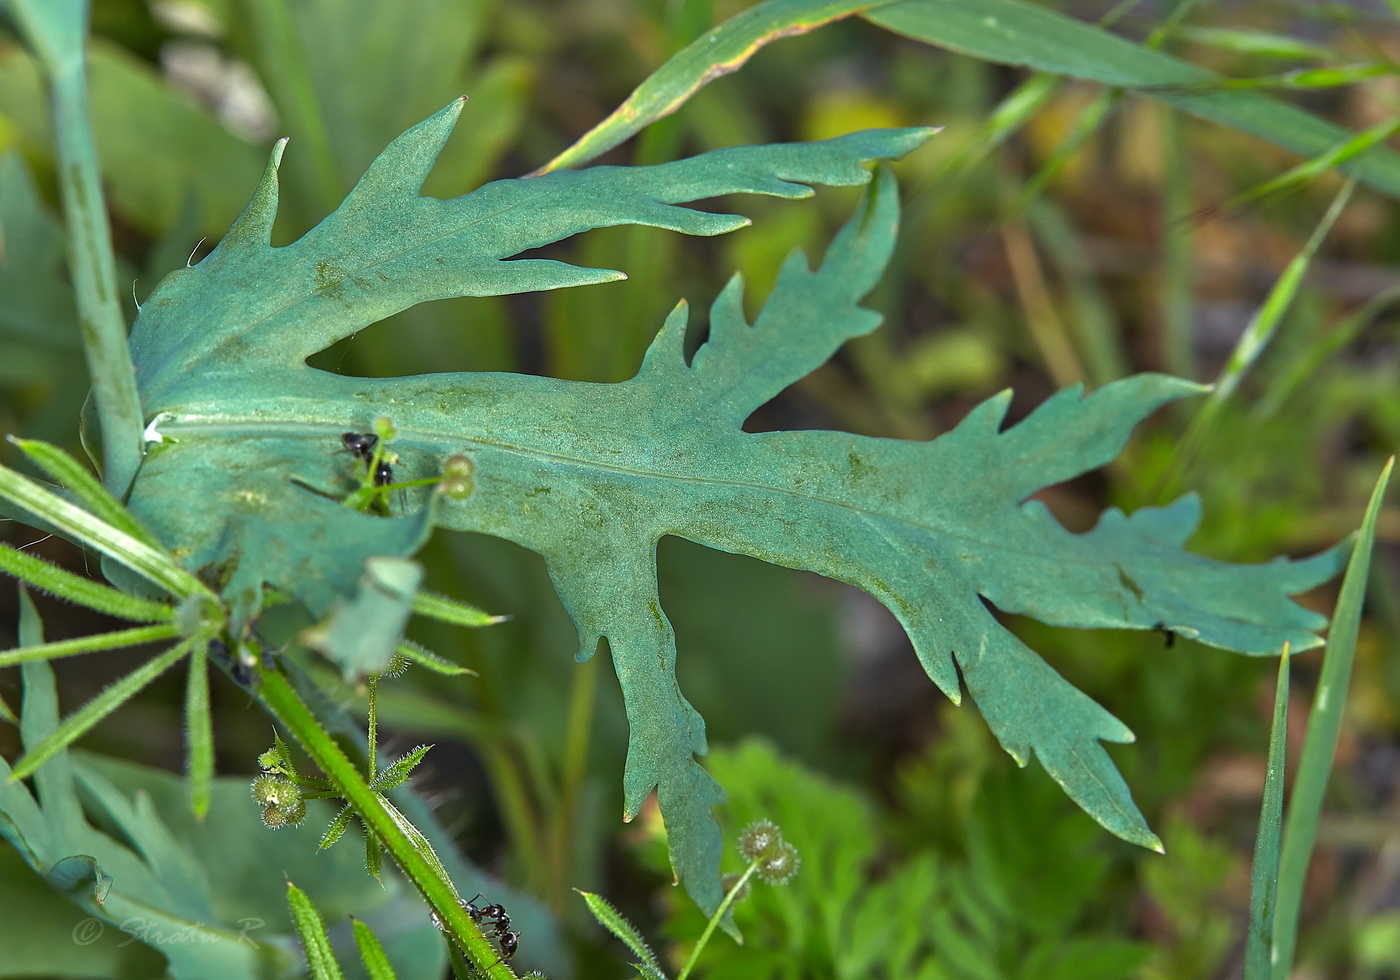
{"points": [[591, 476]]}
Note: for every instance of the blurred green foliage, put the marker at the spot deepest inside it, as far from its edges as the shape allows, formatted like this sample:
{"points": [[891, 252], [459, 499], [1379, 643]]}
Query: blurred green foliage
{"points": [[926, 853]]}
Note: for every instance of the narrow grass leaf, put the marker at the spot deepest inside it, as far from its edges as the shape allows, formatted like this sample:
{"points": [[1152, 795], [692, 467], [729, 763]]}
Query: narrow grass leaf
{"points": [[1258, 43], [1310, 170], [1307, 363], [1303, 78], [88, 644], [85, 592], [1263, 893], [374, 857], [1260, 331], [718, 52], [426, 658], [337, 828], [75, 477], [461, 968], [1014, 32], [1089, 121], [1265, 324], [397, 774], [616, 923], [448, 610], [199, 732], [319, 956], [284, 754], [1320, 744], [78, 723], [416, 838], [372, 953], [1178, 249], [7, 713], [91, 530]]}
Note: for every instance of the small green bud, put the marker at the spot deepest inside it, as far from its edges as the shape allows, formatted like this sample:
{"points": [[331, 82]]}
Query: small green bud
{"points": [[270, 761], [397, 664]]}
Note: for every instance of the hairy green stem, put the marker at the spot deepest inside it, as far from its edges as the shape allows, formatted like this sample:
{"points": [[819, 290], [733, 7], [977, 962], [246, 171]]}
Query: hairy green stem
{"points": [[715, 919], [294, 715]]}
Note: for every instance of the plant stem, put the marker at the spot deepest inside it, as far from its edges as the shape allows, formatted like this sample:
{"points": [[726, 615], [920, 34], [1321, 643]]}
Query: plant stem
{"points": [[714, 919], [580, 724], [294, 715], [57, 40]]}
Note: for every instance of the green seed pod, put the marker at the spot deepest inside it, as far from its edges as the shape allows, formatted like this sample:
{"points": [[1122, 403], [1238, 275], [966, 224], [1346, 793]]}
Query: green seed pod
{"points": [[267, 788], [757, 838], [275, 817], [780, 864], [457, 482]]}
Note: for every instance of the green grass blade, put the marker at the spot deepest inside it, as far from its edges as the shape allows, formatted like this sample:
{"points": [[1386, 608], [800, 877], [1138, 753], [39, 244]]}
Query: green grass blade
{"points": [[199, 732], [1259, 332], [448, 610], [89, 644], [75, 476], [1320, 745], [616, 923], [83, 591], [1178, 249], [1014, 32], [1258, 43], [376, 961], [78, 723], [718, 52], [1310, 170], [1263, 893], [319, 956], [1092, 318], [417, 654], [1302, 367], [1303, 78], [1089, 121], [1261, 329], [82, 526]]}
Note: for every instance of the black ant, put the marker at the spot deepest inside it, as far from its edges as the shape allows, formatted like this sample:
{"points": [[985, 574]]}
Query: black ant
{"points": [[508, 940], [1161, 627], [362, 444]]}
